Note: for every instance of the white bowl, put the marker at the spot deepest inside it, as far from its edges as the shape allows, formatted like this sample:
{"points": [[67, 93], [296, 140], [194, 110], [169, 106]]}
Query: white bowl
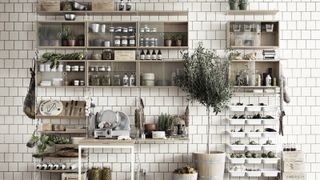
{"points": [[236, 108], [253, 147], [270, 160], [253, 173], [253, 160]]}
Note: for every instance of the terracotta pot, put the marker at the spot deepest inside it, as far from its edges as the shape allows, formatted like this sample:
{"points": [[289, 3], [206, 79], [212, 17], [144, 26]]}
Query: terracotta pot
{"points": [[71, 42], [209, 166], [168, 42], [178, 42], [184, 176]]}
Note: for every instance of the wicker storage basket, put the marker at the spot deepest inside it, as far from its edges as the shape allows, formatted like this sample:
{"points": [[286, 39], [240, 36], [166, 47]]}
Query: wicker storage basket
{"points": [[102, 5], [49, 5]]}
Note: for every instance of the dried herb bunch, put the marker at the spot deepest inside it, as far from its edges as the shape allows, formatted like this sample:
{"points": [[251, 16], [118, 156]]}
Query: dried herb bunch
{"points": [[205, 79]]}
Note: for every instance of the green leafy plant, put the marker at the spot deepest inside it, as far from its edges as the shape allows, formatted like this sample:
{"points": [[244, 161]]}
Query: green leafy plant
{"points": [[185, 170], [168, 36], [166, 123], [205, 79], [42, 142], [65, 33], [54, 58]]}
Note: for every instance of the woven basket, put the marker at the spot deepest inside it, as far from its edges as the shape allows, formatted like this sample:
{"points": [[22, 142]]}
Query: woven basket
{"points": [[102, 5], [49, 5]]}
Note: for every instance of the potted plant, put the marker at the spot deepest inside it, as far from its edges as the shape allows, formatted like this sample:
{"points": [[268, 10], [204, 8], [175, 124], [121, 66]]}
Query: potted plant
{"points": [[43, 33], [64, 35], [71, 39], [41, 142], [243, 4], [167, 39], [234, 4], [205, 79], [178, 39], [54, 36], [166, 123], [53, 58], [80, 40], [185, 173], [67, 6]]}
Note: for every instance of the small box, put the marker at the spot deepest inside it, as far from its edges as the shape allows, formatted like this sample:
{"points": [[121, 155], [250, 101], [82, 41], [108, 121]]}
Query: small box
{"points": [[102, 5], [293, 156], [293, 176], [293, 166], [125, 55], [49, 5]]}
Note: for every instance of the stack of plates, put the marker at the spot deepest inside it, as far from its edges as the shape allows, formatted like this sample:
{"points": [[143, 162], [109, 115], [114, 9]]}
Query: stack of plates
{"points": [[147, 79]]}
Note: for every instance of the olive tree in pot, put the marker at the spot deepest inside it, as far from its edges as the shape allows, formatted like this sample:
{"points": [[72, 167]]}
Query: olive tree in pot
{"points": [[205, 79]]}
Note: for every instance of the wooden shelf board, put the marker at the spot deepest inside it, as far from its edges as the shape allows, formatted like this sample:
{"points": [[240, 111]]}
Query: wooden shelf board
{"points": [[257, 61], [112, 47], [116, 13], [168, 140], [254, 47], [257, 87], [80, 131], [60, 117], [91, 141], [162, 61], [62, 171], [252, 12], [111, 61], [164, 47], [61, 47]]}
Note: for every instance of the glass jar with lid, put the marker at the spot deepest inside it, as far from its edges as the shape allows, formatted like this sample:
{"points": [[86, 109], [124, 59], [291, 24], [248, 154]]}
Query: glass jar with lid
{"points": [[107, 54], [117, 41], [124, 29], [146, 42], [132, 41], [116, 81], [94, 80], [130, 29], [124, 40]]}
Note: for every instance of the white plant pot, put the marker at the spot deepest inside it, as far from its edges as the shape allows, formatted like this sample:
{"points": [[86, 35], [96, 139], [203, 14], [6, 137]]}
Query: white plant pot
{"points": [[237, 121], [237, 134], [236, 108], [272, 147], [237, 173], [253, 160], [234, 147], [211, 165], [254, 121], [269, 121], [184, 176], [253, 147], [253, 173], [270, 134], [270, 160], [253, 108], [254, 134], [237, 160], [270, 173]]}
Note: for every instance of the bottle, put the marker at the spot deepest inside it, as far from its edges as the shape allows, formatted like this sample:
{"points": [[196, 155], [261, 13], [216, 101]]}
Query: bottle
{"points": [[44, 166], [73, 166], [274, 81], [128, 5], [121, 5], [132, 80], [268, 80], [270, 73], [142, 55], [56, 166], [148, 56], [39, 166], [125, 80], [159, 55], [62, 166], [258, 82], [50, 166], [154, 55]]}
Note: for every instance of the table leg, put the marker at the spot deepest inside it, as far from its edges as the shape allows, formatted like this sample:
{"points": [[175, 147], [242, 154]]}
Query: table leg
{"points": [[79, 163]]}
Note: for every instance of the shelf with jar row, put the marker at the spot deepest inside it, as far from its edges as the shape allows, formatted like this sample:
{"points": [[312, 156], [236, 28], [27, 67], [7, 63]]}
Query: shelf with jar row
{"points": [[112, 35], [111, 73]]}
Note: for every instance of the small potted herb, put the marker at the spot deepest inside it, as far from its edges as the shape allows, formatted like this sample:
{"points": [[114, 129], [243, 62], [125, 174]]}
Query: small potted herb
{"points": [[64, 35], [166, 123], [71, 39], [167, 39], [185, 173], [178, 39], [234, 4], [80, 40], [243, 4]]}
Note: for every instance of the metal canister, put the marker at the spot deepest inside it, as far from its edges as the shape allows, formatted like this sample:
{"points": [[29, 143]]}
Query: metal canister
{"points": [[124, 40], [117, 41], [132, 41]]}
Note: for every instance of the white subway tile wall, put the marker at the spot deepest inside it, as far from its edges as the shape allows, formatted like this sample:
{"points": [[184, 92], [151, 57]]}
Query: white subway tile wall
{"points": [[300, 43]]}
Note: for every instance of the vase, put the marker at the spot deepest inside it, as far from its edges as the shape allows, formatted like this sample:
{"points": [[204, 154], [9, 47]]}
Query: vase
{"points": [[176, 176], [178, 42], [168, 42], [71, 42], [209, 166]]}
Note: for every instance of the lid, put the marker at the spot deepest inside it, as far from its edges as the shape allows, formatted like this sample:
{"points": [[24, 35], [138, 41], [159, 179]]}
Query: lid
{"points": [[124, 36], [117, 37], [131, 36]]}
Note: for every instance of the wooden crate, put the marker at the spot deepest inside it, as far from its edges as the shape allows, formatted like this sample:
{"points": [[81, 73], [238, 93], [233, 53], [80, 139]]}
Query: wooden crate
{"points": [[293, 176], [102, 5], [125, 55], [49, 5], [293, 166], [293, 156]]}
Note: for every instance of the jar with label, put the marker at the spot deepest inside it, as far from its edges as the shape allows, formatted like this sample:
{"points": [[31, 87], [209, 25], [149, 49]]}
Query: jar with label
{"points": [[92, 68], [106, 80], [102, 69], [151, 43], [124, 41], [124, 29], [116, 80], [146, 42], [107, 54], [118, 29], [68, 68], [141, 42], [153, 29], [94, 80], [81, 68], [132, 41], [130, 29], [81, 82], [76, 82], [117, 41], [111, 29], [155, 41]]}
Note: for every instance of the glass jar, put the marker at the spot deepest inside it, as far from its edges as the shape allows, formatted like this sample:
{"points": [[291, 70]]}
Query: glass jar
{"points": [[111, 29], [146, 42], [155, 41], [107, 54], [124, 29], [92, 68], [130, 29], [132, 41], [116, 80], [141, 42], [151, 43], [118, 29], [124, 41], [106, 80], [94, 80], [117, 41]]}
